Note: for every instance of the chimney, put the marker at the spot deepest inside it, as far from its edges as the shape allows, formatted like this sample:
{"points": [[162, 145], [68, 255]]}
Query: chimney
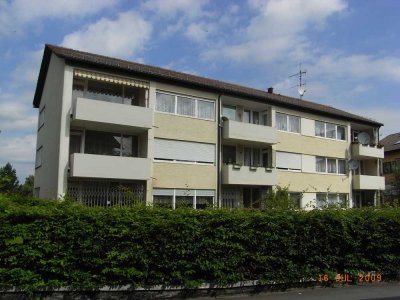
{"points": [[270, 90]]}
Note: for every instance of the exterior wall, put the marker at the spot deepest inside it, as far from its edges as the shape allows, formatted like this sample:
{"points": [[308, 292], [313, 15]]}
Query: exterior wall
{"points": [[168, 126], [184, 176], [308, 182], [389, 157], [48, 136]]}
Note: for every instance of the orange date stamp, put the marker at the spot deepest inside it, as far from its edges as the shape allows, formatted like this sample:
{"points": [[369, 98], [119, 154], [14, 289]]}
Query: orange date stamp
{"points": [[346, 278]]}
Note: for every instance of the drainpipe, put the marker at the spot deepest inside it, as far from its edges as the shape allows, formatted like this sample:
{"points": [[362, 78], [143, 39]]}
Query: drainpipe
{"points": [[219, 153]]}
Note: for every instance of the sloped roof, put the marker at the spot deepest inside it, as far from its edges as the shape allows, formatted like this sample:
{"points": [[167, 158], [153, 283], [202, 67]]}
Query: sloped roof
{"points": [[155, 73], [391, 142]]}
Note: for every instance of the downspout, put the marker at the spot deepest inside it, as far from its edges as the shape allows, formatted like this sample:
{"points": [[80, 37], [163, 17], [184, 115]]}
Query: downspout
{"points": [[219, 153]]}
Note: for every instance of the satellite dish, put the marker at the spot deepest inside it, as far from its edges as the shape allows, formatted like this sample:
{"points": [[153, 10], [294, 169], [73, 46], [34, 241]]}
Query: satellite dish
{"points": [[301, 91], [353, 164], [364, 138]]}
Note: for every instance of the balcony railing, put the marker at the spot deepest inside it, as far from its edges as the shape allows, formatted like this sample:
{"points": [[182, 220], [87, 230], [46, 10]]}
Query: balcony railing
{"points": [[101, 115], [367, 182], [360, 151], [249, 133], [112, 167], [248, 175]]}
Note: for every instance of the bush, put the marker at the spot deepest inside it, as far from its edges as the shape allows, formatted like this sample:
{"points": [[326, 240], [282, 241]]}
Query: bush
{"points": [[45, 245]]}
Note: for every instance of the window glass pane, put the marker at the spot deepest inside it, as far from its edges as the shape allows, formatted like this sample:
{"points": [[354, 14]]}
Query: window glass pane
{"points": [[229, 154], [229, 112], [38, 161], [256, 117], [320, 164], [203, 202], [296, 198], [341, 166], [321, 199], [387, 167], [330, 131], [165, 103], [247, 156], [256, 157], [342, 198], [281, 121], [104, 91], [186, 106], [184, 202], [130, 146], [246, 116], [294, 124], [332, 199], [78, 88], [341, 133], [75, 143], [265, 120], [205, 109], [162, 201], [131, 96], [102, 143], [319, 129], [265, 159], [331, 165]]}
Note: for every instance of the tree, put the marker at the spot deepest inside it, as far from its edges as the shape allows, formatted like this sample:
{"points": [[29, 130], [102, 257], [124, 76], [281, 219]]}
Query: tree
{"points": [[8, 179], [26, 189], [279, 198]]}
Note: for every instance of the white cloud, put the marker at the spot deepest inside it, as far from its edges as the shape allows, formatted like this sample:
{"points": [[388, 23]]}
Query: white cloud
{"points": [[198, 32], [279, 30], [388, 116], [192, 9], [15, 15], [18, 149], [27, 71], [122, 37]]}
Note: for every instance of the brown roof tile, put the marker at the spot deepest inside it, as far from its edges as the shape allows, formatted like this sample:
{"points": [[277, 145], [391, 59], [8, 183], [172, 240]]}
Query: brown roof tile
{"points": [[391, 142], [151, 72]]}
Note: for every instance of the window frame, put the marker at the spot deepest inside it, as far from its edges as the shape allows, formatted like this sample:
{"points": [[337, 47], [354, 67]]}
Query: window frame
{"points": [[337, 160], [325, 131], [288, 122], [39, 157], [195, 99], [193, 193]]}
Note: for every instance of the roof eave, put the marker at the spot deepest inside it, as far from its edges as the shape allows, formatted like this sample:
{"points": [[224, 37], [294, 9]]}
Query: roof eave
{"points": [[42, 76]]}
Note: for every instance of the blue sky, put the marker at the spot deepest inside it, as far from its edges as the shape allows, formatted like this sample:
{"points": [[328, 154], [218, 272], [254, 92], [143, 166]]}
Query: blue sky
{"points": [[350, 50]]}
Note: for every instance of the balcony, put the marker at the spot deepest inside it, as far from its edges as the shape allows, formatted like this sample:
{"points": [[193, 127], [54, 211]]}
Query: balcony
{"points": [[107, 116], [367, 182], [111, 167], [245, 175], [366, 151], [247, 133]]}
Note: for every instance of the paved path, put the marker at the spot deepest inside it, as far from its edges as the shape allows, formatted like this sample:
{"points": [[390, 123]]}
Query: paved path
{"points": [[373, 291]]}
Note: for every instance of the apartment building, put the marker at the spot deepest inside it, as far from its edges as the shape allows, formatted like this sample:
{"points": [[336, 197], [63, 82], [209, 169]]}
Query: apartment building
{"points": [[108, 128], [391, 161]]}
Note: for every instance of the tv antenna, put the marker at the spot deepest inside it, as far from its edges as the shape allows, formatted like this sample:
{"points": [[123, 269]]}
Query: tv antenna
{"points": [[302, 83]]}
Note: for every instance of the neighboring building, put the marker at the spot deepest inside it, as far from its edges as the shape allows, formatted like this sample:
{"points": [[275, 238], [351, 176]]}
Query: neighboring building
{"points": [[391, 160], [172, 139]]}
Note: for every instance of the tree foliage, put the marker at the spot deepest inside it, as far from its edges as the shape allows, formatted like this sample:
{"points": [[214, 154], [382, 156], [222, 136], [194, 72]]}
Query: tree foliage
{"points": [[8, 179]]}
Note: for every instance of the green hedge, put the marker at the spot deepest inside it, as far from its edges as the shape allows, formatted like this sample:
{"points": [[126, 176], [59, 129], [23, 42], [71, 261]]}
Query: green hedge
{"points": [[45, 245]]}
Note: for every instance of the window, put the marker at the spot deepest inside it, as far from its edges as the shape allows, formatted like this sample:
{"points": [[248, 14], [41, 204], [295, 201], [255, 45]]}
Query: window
{"points": [[341, 166], [330, 131], [75, 141], [330, 199], [183, 198], [387, 167], [114, 144], [330, 165], [229, 112], [296, 198], [38, 161], [320, 199], [41, 118], [320, 164], [319, 129], [185, 106], [165, 103], [229, 154], [205, 109], [252, 157], [288, 161], [180, 151], [286, 122]]}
